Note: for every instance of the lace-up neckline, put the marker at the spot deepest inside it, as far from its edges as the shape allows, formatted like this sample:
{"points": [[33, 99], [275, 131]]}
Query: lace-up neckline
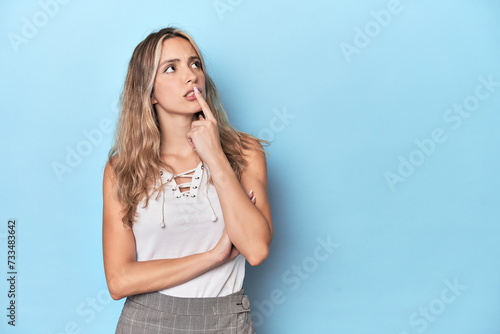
{"points": [[192, 188]]}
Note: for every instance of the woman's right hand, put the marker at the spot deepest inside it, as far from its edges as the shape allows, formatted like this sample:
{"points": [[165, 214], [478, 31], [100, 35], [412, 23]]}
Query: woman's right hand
{"points": [[251, 196], [224, 251]]}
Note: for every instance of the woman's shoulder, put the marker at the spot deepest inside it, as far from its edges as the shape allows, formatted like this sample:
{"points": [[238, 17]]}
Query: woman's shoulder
{"points": [[252, 148], [109, 168], [254, 156]]}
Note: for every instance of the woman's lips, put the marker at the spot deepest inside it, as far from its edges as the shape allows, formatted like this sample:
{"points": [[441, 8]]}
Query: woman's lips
{"points": [[190, 94]]}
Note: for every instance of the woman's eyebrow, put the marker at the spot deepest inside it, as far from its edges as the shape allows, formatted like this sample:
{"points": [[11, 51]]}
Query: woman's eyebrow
{"points": [[177, 60], [169, 61]]}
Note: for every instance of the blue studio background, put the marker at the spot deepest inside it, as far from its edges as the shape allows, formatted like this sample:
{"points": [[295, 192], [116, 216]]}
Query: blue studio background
{"points": [[383, 175]]}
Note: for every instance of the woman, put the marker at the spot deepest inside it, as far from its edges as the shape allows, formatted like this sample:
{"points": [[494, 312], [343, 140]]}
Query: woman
{"points": [[185, 198]]}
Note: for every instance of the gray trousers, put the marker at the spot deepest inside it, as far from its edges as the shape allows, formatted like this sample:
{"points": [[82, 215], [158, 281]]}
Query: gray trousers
{"points": [[158, 313]]}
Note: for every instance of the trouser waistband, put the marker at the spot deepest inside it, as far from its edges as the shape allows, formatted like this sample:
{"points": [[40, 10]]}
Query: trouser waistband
{"points": [[233, 303]]}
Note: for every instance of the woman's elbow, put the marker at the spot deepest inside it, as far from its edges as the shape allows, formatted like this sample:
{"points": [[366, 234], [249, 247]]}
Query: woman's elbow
{"points": [[259, 256], [115, 295], [116, 289]]}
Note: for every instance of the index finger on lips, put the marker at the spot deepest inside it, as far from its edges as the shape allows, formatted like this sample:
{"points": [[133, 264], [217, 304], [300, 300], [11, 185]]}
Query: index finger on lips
{"points": [[204, 106]]}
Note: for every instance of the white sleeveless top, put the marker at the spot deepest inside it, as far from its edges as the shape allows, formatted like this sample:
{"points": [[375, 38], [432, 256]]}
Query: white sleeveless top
{"points": [[176, 224]]}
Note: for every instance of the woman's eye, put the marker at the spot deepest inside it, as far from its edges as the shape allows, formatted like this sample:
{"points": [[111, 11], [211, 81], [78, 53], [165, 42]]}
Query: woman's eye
{"points": [[169, 69], [196, 64]]}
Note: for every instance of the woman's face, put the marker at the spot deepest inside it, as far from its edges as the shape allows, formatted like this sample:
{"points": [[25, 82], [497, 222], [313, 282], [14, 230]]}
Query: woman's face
{"points": [[178, 73]]}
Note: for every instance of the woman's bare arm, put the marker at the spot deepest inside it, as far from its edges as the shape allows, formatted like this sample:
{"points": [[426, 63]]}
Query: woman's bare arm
{"points": [[248, 224]]}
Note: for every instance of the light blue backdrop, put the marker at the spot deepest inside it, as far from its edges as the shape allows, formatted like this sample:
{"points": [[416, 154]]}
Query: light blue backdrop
{"points": [[383, 174]]}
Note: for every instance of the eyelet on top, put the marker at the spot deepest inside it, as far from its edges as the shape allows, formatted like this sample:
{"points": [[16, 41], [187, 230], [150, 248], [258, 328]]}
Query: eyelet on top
{"points": [[185, 190], [161, 173], [190, 187]]}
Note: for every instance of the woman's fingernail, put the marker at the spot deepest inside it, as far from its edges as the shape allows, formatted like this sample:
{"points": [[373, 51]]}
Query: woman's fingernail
{"points": [[253, 199], [196, 89], [250, 193]]}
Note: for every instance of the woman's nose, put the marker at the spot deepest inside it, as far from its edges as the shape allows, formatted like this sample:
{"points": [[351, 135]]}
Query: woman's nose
{"points": [[190, 75]]}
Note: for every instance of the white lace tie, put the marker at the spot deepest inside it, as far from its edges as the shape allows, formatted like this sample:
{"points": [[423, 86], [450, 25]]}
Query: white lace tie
{"points": [[186, 193]]}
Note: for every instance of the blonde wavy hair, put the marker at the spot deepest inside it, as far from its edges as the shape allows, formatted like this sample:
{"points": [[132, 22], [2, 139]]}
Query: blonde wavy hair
{"points": [[136, 154]]}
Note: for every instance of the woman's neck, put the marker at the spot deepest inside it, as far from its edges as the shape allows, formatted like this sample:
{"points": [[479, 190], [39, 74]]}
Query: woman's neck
{"points": [[174, 128]]}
